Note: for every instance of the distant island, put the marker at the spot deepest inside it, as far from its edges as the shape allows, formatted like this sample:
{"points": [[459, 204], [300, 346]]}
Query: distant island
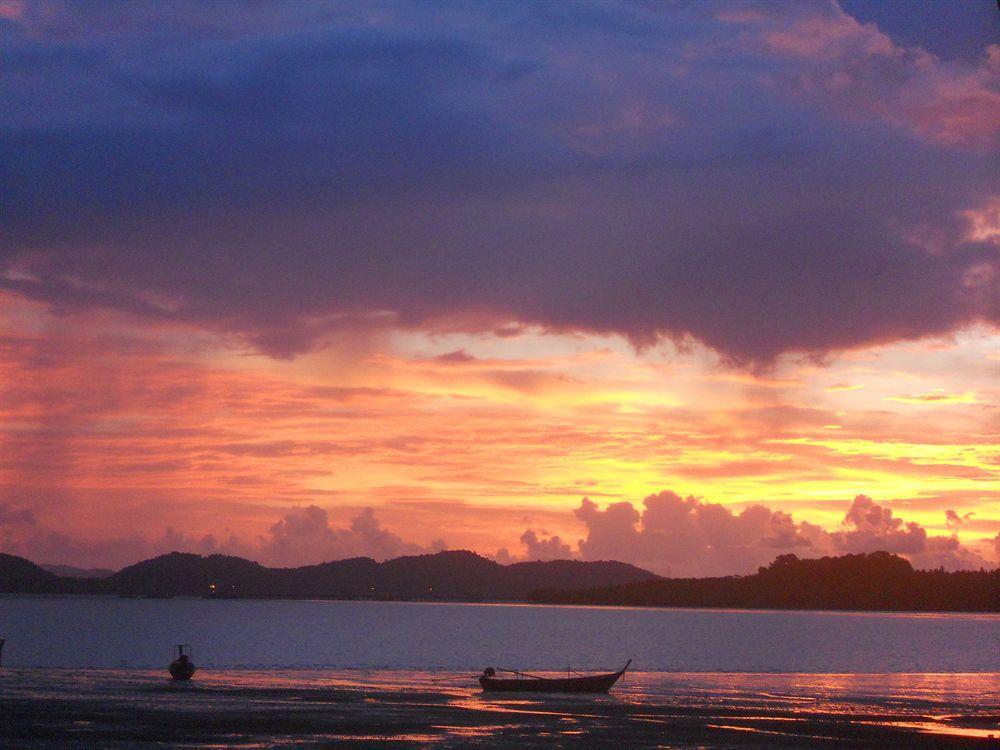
{"points": [[877, 581], [874, 581], [448, 576]]}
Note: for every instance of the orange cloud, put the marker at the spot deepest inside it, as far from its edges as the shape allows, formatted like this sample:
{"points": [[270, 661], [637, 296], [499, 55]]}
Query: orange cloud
{"points": [[111, 431], [939, 398]]}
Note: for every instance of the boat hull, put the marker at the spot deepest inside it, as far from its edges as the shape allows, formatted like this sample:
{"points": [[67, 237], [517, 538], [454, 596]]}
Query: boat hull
{"points": [[180, 670], [601, 683]]}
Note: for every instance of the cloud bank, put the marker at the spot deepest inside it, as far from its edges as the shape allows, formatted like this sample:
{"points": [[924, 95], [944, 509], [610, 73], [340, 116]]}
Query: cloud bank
{"points": [[777, 179], [671, 535], [303, 536], [688, 537]]}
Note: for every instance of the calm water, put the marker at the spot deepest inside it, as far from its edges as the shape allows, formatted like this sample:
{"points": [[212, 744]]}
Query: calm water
{"points": [[77, 632], [90, 672]]}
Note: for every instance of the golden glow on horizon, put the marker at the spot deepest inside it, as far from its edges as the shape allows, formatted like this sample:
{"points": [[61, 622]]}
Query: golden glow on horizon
{"points": [[939, 397], [147, 430]]}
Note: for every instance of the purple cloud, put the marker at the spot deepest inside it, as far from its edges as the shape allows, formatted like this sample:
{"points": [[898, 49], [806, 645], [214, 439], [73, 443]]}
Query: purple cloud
{"points": [[17, 516], [672, 535], [544, 547], [303, 536], [955, 520], [788, 181], [689, 537]]}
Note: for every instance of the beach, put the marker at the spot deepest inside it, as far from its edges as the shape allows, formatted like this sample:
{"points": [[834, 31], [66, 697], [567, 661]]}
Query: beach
{"points": [[54, 708]]}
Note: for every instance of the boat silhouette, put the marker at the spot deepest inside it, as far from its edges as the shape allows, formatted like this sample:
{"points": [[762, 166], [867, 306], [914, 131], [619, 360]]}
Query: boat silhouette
{"points": [[522, 682], [182, 668]]}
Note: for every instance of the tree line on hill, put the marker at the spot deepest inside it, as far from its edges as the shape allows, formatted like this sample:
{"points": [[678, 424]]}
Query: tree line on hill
{"points": [[873, 581]]}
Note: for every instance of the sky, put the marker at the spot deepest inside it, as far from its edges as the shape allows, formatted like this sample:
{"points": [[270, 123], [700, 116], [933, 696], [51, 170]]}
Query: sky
{"points": [[684, 284]]}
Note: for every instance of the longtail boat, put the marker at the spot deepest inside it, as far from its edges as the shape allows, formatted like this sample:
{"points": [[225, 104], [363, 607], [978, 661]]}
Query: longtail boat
{"points": [[523, 682], [182, 668]]}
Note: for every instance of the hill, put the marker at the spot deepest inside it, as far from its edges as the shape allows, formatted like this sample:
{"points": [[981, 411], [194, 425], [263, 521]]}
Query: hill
{"points": [[186, 574], [20, 575], [452, 575], [874, 581]]}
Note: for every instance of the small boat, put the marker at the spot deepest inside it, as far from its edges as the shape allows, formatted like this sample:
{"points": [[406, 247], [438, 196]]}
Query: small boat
{"points": [[182, 668], [529, 683]]}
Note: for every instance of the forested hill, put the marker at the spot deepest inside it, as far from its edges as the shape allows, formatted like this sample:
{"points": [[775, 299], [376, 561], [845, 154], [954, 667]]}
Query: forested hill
{"points": [[451, 575], [875, 581]]}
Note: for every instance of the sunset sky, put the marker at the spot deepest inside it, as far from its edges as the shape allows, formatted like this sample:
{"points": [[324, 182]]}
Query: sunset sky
{"points": [[688, 284]]}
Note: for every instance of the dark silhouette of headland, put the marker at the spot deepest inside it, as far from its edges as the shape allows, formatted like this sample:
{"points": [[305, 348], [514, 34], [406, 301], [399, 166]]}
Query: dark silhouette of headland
{"points": [[875, 581]]}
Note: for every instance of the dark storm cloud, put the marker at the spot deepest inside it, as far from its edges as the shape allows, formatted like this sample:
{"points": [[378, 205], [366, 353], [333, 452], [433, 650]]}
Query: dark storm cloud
{"points": [[663, 172]]}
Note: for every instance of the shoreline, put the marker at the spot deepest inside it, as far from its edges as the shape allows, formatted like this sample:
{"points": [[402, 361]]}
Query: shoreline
{"points": [[56, 709], [510, 603], [209, 674]]}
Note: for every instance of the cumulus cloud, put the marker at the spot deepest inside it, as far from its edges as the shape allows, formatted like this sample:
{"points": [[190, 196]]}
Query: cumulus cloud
{"points": [[545, 548], [869, 526], [671, 535], [861, 71], [305, 535], [281, 173], [537, 546], [690, 537]]}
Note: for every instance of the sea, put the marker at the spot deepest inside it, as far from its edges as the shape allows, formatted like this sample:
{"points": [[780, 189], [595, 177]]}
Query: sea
{"points": [[91, 672]]}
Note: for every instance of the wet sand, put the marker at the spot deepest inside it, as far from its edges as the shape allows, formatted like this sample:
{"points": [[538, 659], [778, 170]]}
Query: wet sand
{"points": [[141, 709]]}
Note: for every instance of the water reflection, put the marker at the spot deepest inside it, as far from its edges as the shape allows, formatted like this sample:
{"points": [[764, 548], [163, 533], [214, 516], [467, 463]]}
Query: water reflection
{"points": [[89, 632]]}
